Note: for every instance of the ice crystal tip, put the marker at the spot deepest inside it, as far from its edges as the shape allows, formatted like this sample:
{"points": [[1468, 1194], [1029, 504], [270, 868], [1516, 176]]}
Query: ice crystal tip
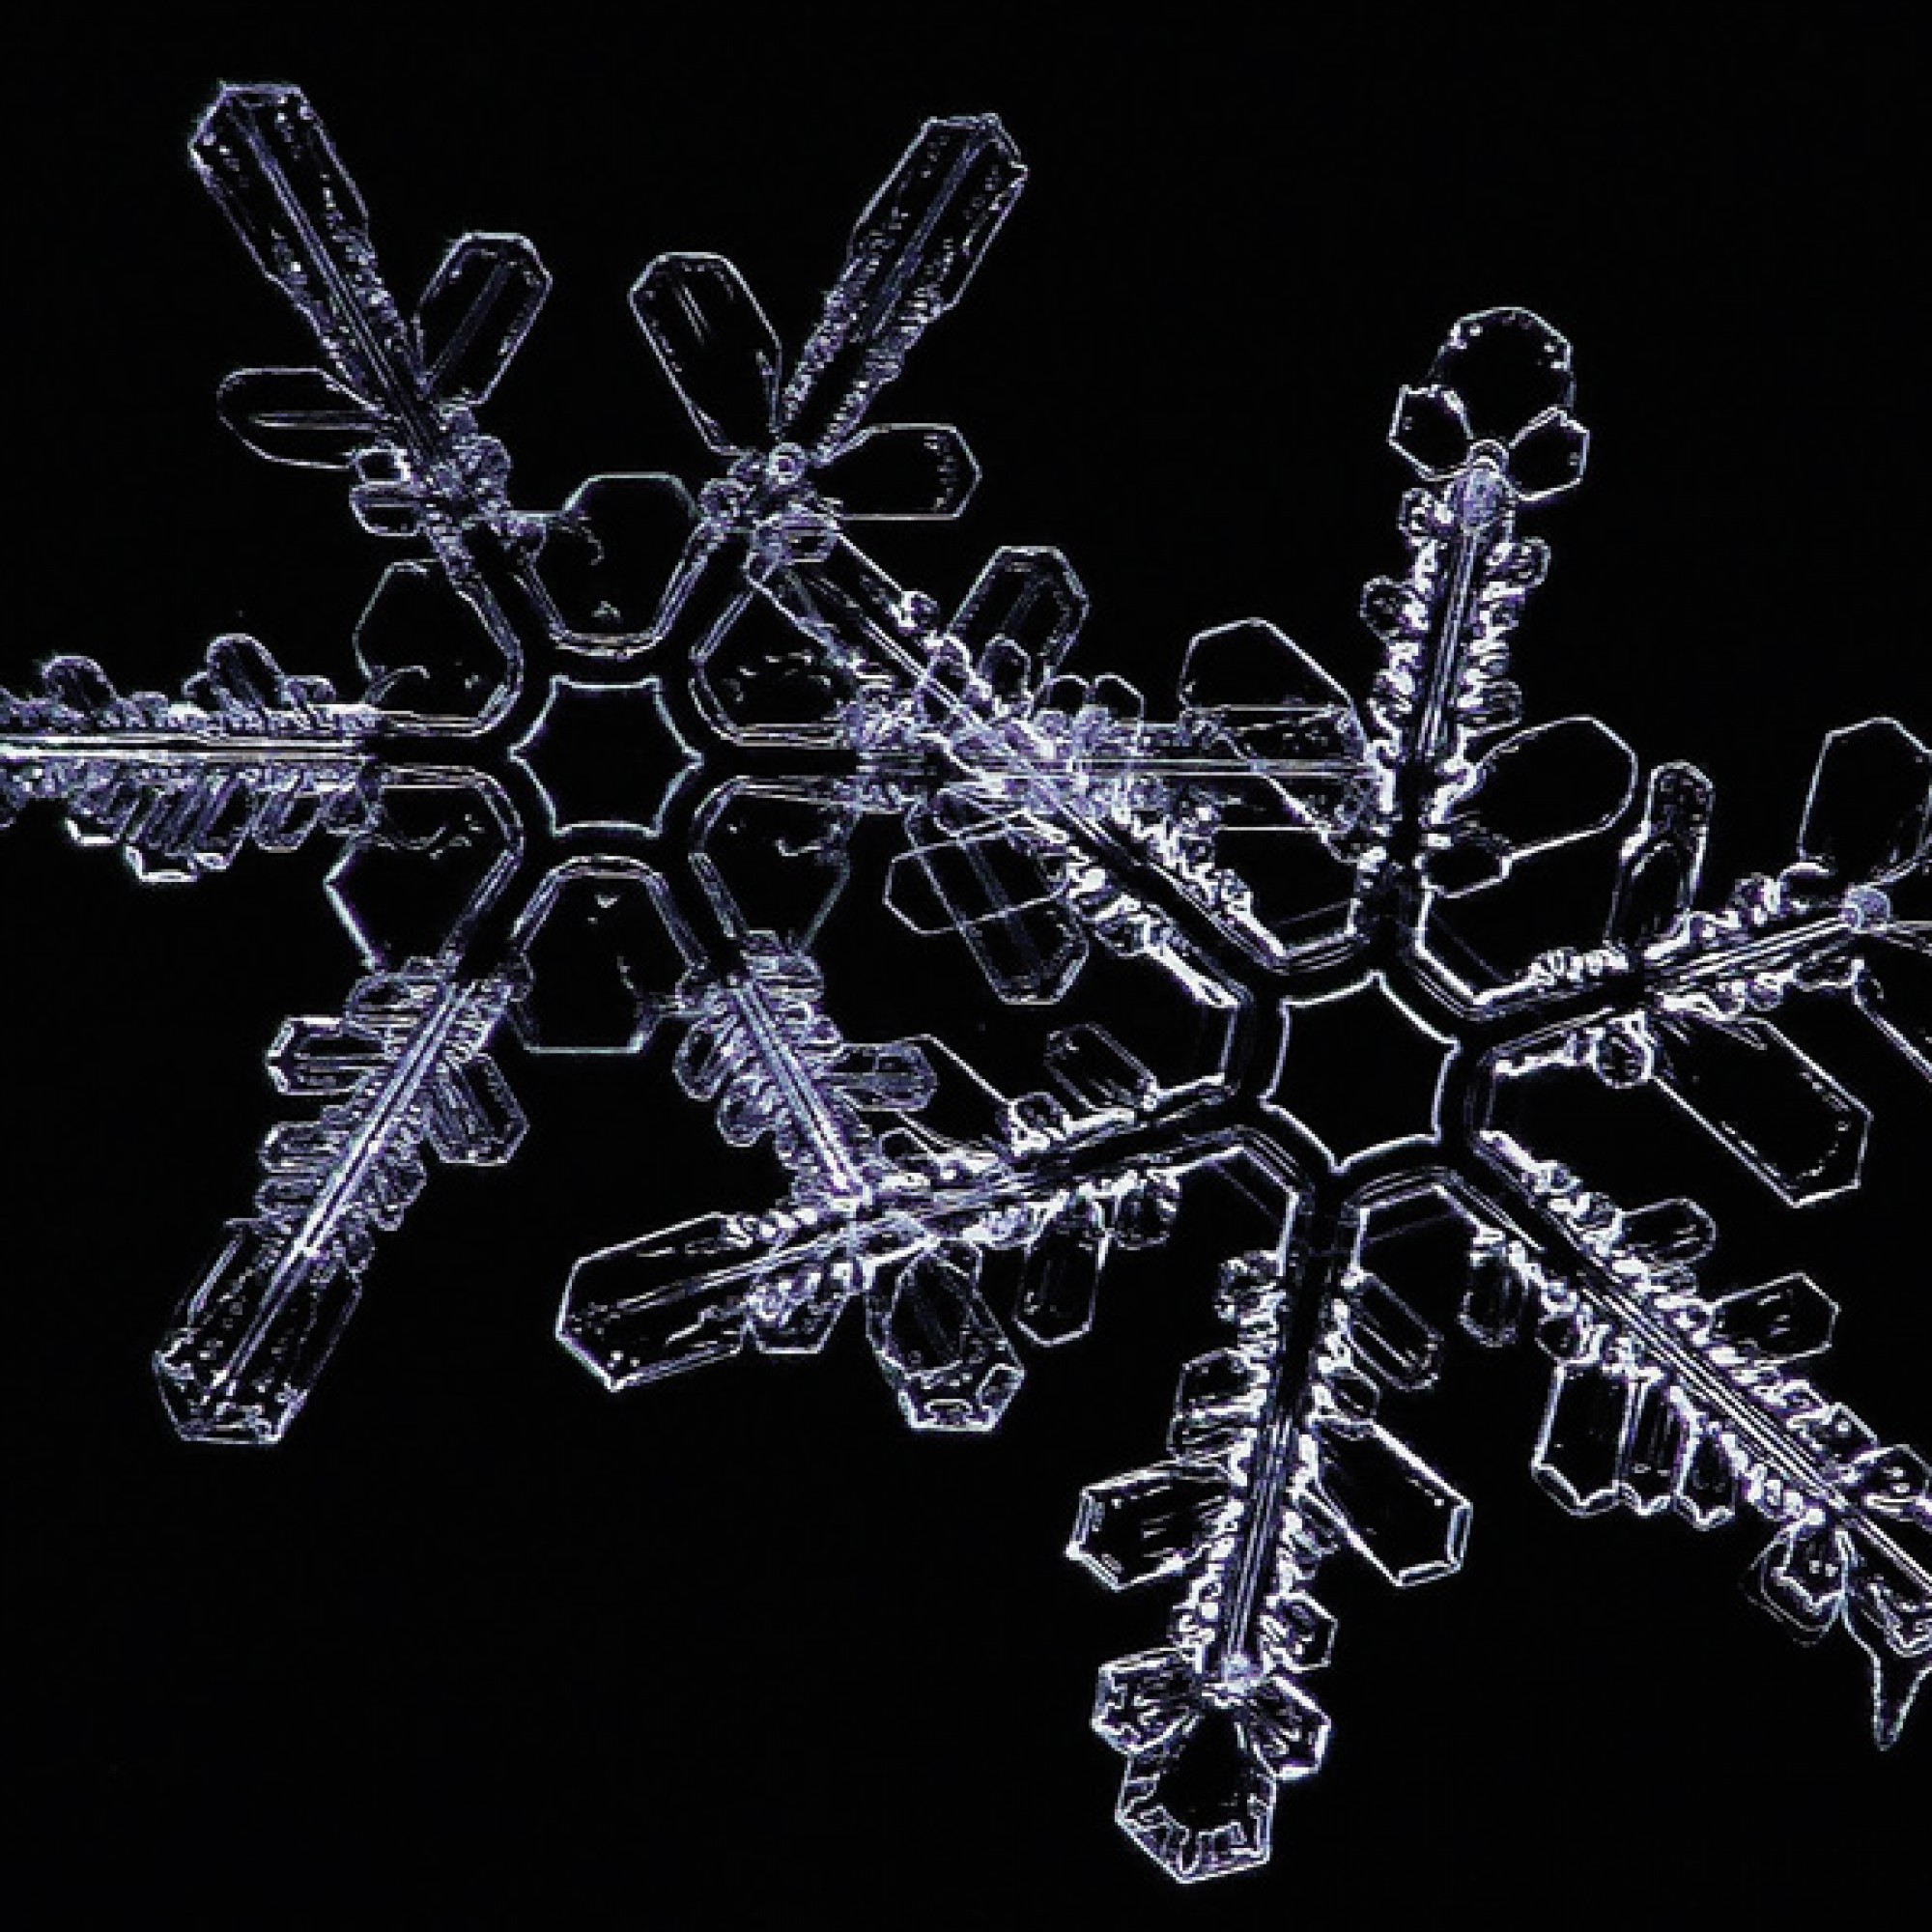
{"points": [[616, 763]]}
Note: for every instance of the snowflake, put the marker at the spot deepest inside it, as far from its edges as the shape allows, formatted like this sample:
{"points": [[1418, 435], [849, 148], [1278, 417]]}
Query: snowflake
{"points": [[612, 767]]}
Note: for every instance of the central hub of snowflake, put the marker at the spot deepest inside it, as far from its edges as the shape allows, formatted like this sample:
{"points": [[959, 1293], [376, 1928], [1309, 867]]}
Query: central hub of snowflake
{"points": [[606, 758], [615, 764], [1361, 1071]]}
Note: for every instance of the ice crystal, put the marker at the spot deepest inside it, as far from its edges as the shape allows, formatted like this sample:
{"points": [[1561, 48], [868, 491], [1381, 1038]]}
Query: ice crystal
{"points": [[605, 782]]}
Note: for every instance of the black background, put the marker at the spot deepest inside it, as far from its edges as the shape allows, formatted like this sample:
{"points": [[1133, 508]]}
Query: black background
{"points": [[480, 1645]]}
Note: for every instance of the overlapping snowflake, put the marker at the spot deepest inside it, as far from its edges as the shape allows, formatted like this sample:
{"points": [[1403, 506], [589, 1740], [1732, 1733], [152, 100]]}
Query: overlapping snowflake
{"points": [[602, 783]]}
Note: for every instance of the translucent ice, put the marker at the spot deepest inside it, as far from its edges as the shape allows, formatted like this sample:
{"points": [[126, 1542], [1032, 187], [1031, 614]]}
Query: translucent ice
{"points": [[616, 763]]}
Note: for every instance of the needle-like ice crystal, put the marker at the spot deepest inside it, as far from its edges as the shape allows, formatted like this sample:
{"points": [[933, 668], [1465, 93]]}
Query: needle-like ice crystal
{"points": [[602, 785]]}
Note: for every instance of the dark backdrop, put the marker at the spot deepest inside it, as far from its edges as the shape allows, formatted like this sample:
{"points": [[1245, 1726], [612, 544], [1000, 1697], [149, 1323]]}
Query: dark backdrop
{"points": [[479, 1643]]}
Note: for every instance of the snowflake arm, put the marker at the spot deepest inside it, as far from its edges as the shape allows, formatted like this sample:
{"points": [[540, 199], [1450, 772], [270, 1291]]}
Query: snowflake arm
{"points": [[178, 786], [395, 406], [404, 1071]]}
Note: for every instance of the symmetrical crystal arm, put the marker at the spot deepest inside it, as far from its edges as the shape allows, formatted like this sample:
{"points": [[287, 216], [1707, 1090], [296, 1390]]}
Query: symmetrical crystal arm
{"points": [[246, 756], [403, 1071]]}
